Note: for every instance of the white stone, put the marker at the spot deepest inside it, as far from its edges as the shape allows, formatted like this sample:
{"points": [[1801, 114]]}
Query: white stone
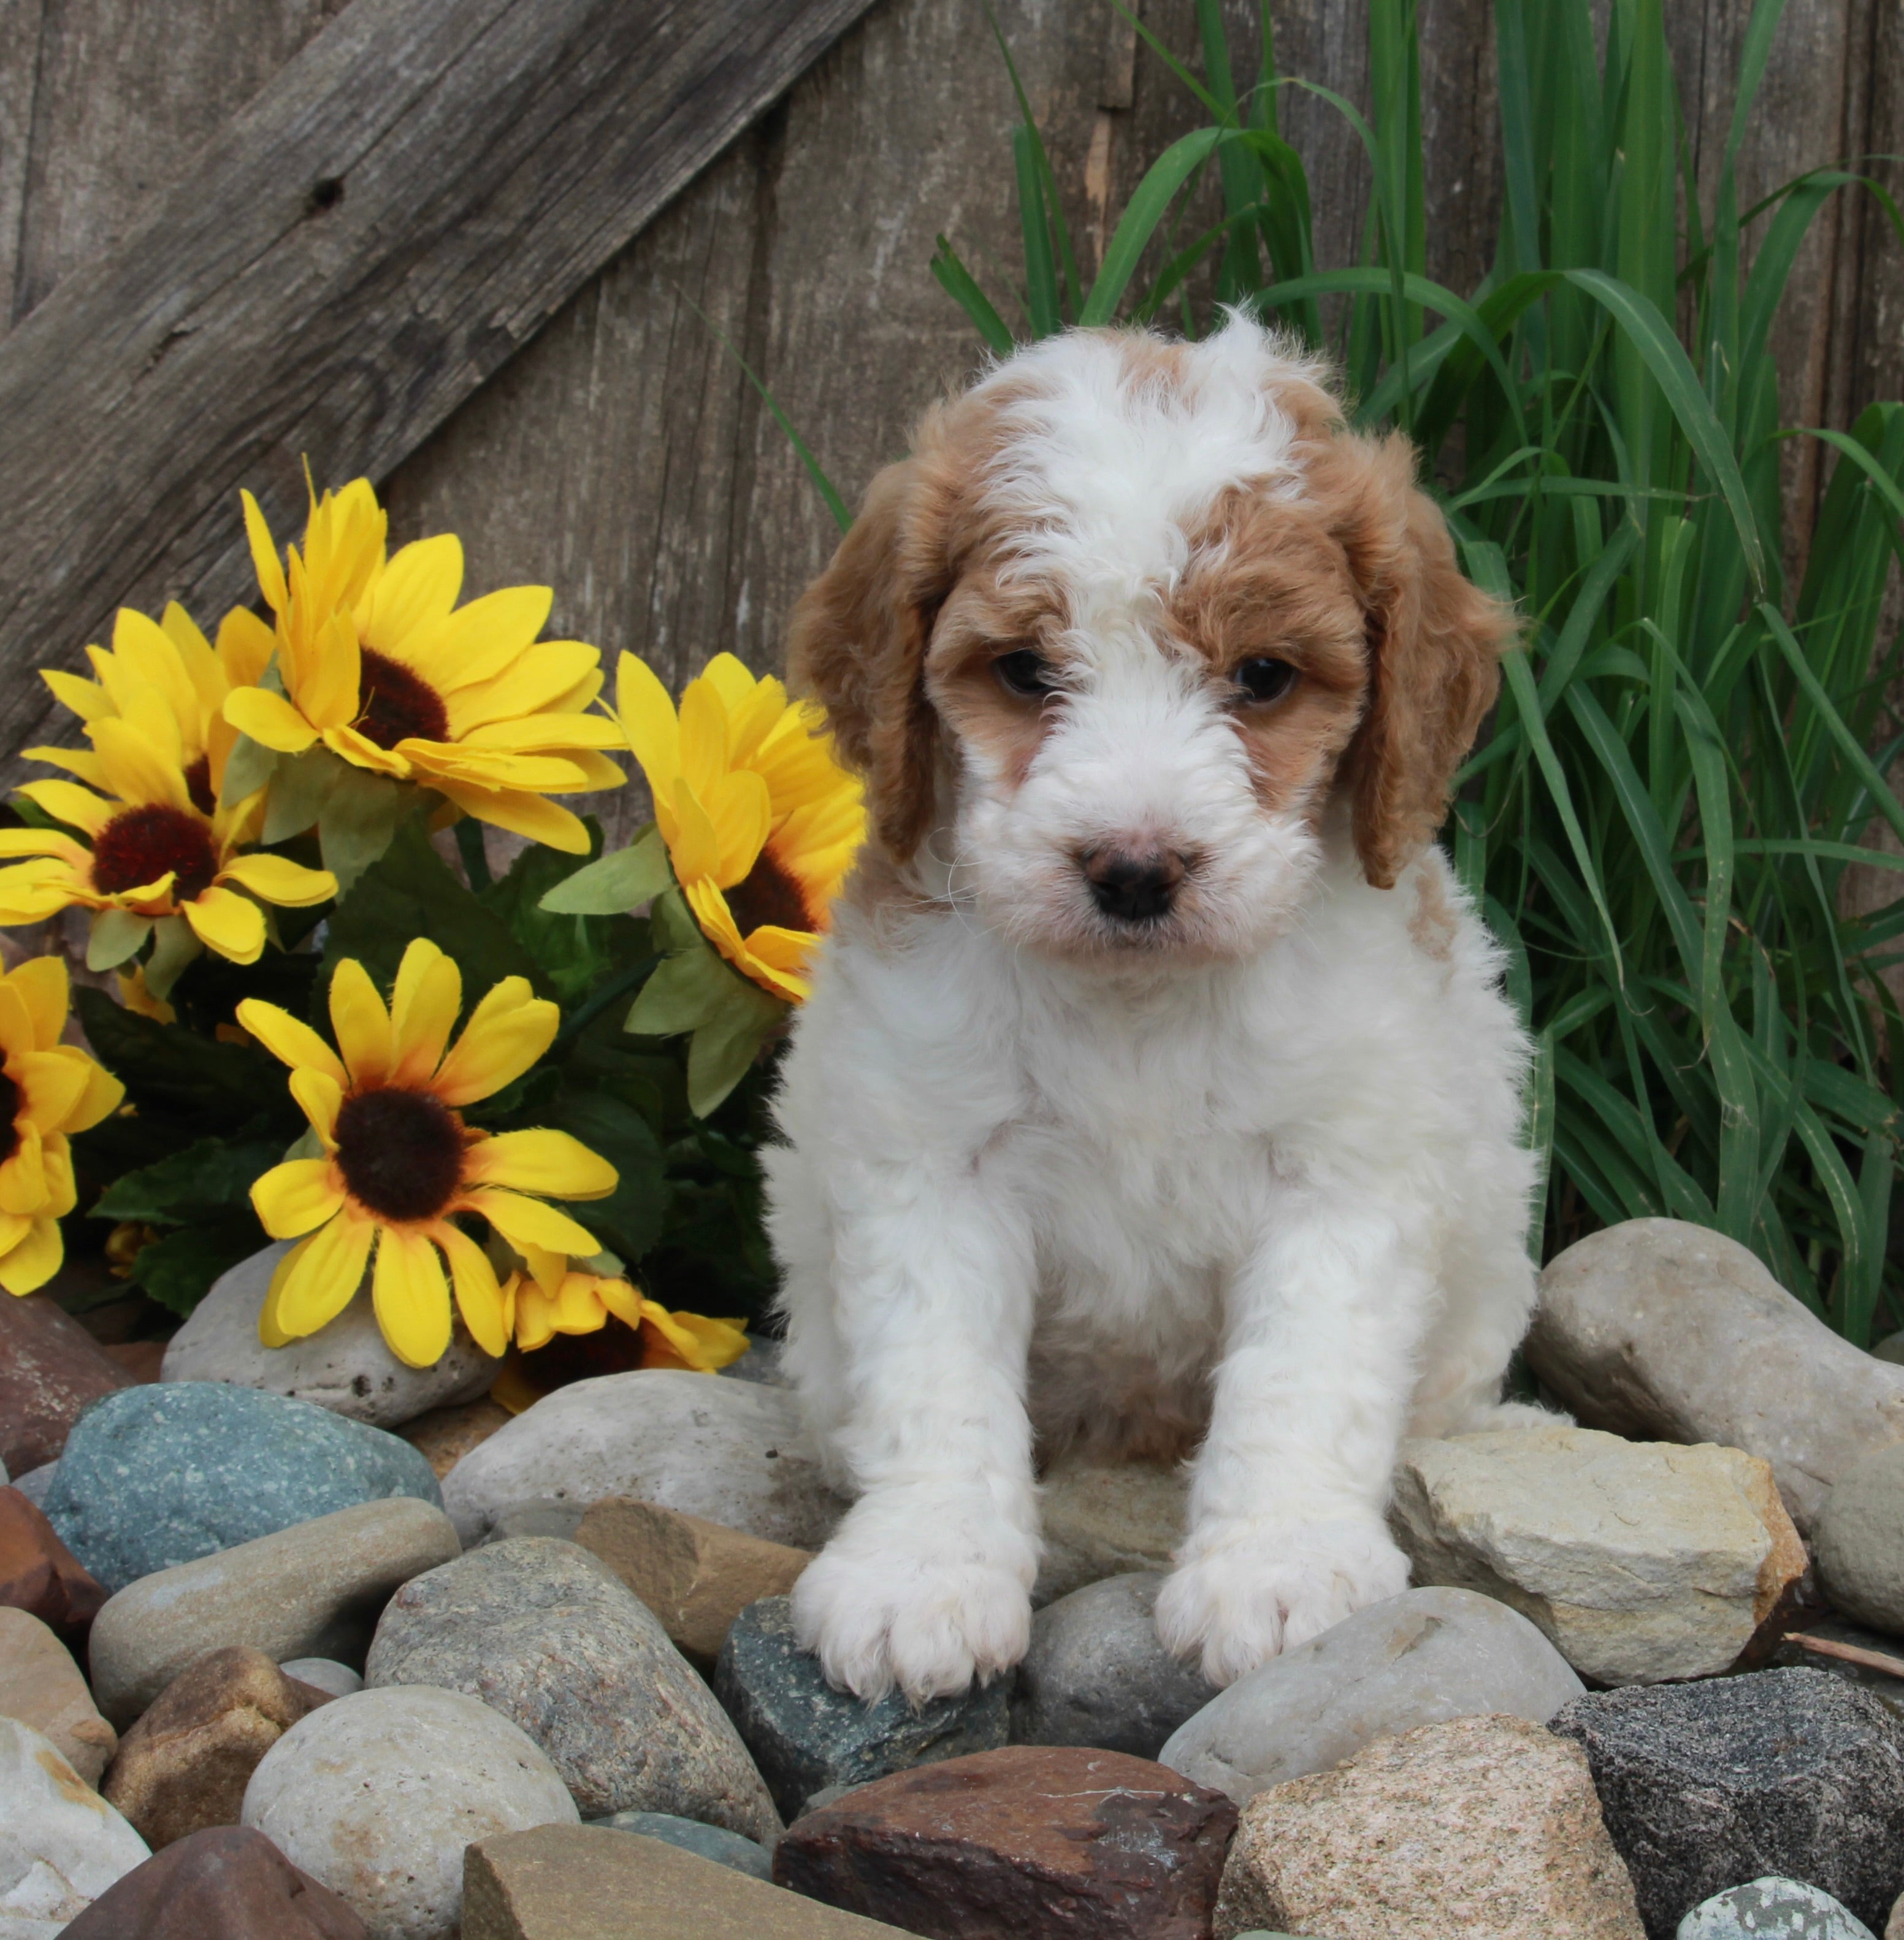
{"points": [[324, 1673], [313, 1590], [733, 1452], [1641, 1561], [61, 1844], [376, 1794], [1660, 1330], [1772, 1908], [1419, 1658], [344, 1367]]}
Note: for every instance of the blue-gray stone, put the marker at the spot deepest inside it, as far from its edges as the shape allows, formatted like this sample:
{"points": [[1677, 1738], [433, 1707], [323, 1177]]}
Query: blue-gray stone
{"points": [[164, 1473], [805, 1736], [711, 1842], [1772, 1908]]}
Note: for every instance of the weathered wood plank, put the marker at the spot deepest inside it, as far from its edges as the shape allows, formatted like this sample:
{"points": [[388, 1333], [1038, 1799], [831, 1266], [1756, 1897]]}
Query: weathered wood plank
{"points": [[20, 27], [126, 94], [392, 217]]}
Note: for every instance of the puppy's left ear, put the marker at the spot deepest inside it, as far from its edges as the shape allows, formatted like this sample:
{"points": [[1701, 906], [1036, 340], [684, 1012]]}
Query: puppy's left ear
{"points": [[1435, 641]]}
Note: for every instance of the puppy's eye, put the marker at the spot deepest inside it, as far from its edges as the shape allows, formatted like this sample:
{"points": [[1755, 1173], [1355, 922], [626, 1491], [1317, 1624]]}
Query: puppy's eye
{"points": [[1024, 673], [1264, 679]]}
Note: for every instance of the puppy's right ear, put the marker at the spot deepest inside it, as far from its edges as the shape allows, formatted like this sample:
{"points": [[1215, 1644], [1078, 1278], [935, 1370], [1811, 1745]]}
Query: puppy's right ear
{"points": [[857, 644]]}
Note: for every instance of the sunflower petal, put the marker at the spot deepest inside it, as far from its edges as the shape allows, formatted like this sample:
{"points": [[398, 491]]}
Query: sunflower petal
{"points": [[289, 1040], [231, 924], [507, 1032], [417, 588], [316, 1281], [276, 879], [67, 802], [360, 1025], [297, 1196], [50, 1088], [423, 1007], [479, 1298], [34, 1258], [411, 1298], [265, 562], [22, 1176], [103, 1095], [320, 1098], [269, 719], [540, 1161], [522, 1221], [42, 985], [522, 814]]}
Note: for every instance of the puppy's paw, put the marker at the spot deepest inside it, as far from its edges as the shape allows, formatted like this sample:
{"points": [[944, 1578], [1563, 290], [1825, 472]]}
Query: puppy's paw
{"points": [[1245, 1590], [927, 1611]]}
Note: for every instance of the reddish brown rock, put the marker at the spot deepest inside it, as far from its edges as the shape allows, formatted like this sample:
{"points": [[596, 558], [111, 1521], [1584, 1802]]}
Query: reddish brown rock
{"points": [[228, 1883], [442, 1436], [142, 1360], [184, 1766], [39, 1574], [1032, 1842], [50, 1368]]}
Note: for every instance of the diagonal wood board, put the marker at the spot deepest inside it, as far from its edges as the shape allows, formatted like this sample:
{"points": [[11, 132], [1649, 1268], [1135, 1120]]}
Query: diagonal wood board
{"points": [[397, 213]]}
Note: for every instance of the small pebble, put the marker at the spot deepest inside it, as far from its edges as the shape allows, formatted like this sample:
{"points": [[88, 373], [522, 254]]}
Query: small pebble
{"points": [[324, 1673], [711, 1842]]}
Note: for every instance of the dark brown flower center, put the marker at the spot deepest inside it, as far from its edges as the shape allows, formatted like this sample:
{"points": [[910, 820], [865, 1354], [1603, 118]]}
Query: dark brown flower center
{"points": [[140, 845], [398, 705], [401, 1153], [198, 785], [768, 895], [9, 1117]]}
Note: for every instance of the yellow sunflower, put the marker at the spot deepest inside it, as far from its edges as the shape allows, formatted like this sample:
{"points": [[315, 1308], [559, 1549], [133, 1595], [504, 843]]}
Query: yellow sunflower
{"points": [[378, 664], [761, 822], [561, 1295], [155, 853], [398, 1159], [48, 1091], [171, 658]]}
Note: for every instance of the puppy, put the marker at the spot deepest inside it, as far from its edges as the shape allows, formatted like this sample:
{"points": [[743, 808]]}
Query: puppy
{"points": [[1157, 1092]]}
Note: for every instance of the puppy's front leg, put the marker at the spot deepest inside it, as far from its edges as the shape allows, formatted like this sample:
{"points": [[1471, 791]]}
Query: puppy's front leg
{"points": [[1286, 1534], [928, 1578]]}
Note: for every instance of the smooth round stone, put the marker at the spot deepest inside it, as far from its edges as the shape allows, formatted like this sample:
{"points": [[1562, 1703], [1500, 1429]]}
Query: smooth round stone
{"points": [[1860, 1542], [548, 1635], [1772, 1908], [711, 1842], [1423, 1658], [1096, 1673], [161, 1474], [376, 1795], [345, 1367], [61, 1844], [324, 1673]]}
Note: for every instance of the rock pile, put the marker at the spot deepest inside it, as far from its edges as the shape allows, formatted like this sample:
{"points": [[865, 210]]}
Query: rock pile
{"points": [[366, 1658]]}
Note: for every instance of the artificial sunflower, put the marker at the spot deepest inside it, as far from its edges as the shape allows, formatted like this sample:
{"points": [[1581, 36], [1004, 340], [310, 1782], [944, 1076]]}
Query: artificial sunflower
{"points": [[155, 853], [378, 663], [48, 1091], [761, 822], [171, 658], [399, 1161], [558, 1295]]}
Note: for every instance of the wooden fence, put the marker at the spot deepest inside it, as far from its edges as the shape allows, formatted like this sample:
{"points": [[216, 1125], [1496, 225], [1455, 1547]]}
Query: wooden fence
{"points": [[615, 451]]}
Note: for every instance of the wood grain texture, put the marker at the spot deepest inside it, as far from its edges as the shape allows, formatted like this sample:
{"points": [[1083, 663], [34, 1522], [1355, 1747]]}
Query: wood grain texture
{"points": [[360, 248], [20, 22]]}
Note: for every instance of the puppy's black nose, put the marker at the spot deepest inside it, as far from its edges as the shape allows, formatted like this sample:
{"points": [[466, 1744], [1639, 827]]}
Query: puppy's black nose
{"points": [[1132, 888]]}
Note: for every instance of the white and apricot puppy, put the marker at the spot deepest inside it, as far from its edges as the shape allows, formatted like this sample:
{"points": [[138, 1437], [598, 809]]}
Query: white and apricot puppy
{"points": [[1156, 1093]]}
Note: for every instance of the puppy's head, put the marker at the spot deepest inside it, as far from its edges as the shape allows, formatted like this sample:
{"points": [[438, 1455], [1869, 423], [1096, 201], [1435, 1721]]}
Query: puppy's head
{"points": [[1110, 640]]}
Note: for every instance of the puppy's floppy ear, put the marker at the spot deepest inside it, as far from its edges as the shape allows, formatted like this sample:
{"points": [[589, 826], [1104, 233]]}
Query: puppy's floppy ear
{"points": [[1435, 641], [857, 642]]}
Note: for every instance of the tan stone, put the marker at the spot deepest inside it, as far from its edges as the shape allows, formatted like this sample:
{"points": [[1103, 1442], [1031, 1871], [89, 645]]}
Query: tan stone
{"points": [[41, 1685], [185, 1765], [1642, 1561], [1486, 1827], [1106, 1519], [1894, 1926], [696, 1576], [588, 1882], [444, 1435]]}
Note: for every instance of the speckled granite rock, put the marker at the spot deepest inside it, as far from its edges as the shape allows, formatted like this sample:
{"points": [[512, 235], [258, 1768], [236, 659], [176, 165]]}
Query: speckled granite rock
{"points": [[1860, 1542], [156, 1476], [1704, 1785], [547, 1635], [804, 1735]]}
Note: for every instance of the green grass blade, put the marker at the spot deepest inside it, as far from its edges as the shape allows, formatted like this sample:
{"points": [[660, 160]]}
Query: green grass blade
{"points": [[962, 287]]}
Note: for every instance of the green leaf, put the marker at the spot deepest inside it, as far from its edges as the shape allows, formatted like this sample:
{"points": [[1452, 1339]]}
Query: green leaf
{"points": [[209, 1177], [175, 948], [301, 789], [616, 884], [177, 1271], [359, 820], [117, 936], [724, 1047], [690, 988], [248, 767], [630, 1219], [169, 1071], [411, 891], [1142, 214]]}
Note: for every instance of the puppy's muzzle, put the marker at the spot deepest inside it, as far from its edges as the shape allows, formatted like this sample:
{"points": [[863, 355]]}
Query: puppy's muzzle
{"points": [[1133, 886]]}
